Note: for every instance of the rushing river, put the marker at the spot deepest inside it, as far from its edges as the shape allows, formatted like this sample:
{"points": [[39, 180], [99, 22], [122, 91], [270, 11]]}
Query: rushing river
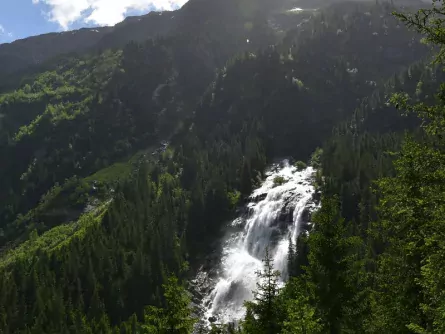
{"points": [[276, 211]]}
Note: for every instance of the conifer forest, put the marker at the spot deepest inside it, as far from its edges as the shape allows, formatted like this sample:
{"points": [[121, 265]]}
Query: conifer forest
{"points": [[230, 167]]}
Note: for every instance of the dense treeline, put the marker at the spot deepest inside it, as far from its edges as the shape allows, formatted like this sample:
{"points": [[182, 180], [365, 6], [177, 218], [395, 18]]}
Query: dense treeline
{"points": [[359, 150], [90, 121], [100, 265], [103, 264], [87, 112], [373, 261], [80, 123], [285, 87]]}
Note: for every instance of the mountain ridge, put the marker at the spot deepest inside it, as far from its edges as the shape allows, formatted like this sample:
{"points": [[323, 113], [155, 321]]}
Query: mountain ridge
{"points": [[122, 165], [21, 53]]}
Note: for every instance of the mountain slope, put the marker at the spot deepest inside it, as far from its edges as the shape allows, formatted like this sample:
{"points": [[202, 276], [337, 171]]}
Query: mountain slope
{"points": [[187, 20], [78, 137], [316, 77], [35, 50], [195, 17]]}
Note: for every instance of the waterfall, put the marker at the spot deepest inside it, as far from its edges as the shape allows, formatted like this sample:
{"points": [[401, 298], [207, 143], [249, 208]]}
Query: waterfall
{"points": [[274, 213]]}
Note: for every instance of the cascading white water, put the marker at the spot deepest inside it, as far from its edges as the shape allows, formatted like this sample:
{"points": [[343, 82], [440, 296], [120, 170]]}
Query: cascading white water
{"points": [[263, 226]]}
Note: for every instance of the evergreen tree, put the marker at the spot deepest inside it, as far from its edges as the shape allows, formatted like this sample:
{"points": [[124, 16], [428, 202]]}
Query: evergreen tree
{"points": [[408, 292], [291, 258], [176, 317], [80, 124], [223, 329], [301, 315], [412, 207], [263, 312], [333, 274]]}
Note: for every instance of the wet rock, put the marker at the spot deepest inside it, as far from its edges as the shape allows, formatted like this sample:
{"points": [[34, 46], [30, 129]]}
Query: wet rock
{"points": [[258, 198], [213, 319], [282, 217], [275, 236], [202, 284], [286, 214], [316, 197], [197, 295], [305, 227], [235, 289], [242, 210], [306, 214]]}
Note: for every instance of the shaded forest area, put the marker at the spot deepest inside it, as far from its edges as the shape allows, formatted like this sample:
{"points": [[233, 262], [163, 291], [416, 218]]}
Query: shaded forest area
{"points": [[96, 218]]}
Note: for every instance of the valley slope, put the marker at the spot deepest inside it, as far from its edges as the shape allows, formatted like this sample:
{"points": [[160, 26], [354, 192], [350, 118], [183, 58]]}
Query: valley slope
{"points": [[122, 161]]}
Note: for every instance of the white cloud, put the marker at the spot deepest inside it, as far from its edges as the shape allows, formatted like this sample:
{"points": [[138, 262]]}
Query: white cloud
{"points": [[5, 36], [102, 12]]}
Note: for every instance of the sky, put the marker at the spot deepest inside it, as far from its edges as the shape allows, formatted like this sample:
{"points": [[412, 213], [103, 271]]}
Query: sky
{"points": [[24, 18]]}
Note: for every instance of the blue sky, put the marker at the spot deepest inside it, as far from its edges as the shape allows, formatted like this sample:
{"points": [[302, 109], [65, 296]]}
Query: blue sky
{"points": [[23, 18]]}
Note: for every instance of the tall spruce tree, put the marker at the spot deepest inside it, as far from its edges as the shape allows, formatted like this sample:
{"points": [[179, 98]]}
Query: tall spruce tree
{"points": [[301, 315], [408, 294], [333, 274], [175, 317], [263, 311]]}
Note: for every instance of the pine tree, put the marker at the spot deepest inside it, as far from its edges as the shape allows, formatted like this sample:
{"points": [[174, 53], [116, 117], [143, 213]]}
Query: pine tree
{"points": [[301, 317], [250, 324], [410, 273], [176, 317], [291, 259], [262, 312], [223, 329], [409, 291], [332, 273]]}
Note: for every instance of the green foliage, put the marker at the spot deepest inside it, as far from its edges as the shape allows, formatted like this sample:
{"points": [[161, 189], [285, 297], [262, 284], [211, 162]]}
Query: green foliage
{"points": [[335, 269], [234, 198], [429, 23], [263, 312], [223, 329], [110, 174], [316, 158], [54, 239], [102, 263], [300, 165], [176, 317], [76, 136], [301, 316], [279, 181], [412, 207], [382, 272]]}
